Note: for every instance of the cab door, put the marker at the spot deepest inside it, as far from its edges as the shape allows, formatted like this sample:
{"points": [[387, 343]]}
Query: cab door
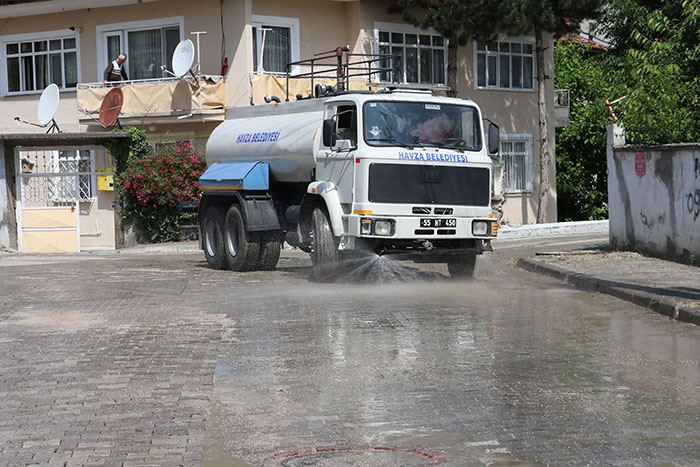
{"points": [[335, 163]]}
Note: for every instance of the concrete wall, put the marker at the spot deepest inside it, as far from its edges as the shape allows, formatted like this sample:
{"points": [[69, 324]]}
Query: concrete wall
{"points": [[8, 235], [654, 199]]}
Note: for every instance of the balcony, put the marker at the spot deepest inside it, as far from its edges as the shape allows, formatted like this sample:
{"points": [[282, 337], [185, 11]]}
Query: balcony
{"points": [[167, 100]]}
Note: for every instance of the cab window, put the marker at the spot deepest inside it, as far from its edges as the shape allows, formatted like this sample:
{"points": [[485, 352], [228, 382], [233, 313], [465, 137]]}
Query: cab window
{"points": [[347, 123]]}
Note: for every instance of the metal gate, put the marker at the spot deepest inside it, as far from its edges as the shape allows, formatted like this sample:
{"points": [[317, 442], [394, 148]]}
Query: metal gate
{"points": [[50, 185]]}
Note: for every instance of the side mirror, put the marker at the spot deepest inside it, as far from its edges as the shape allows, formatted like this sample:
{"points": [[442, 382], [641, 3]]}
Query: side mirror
{"points": [[329, 132], [494, 138]]}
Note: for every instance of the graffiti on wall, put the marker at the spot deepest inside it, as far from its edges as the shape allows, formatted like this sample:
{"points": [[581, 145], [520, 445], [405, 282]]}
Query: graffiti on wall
{"points": [[692, 200]]}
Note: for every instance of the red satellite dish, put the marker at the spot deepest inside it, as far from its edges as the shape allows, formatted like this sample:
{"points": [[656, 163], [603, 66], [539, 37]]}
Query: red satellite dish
{"points": [[111, 107]]}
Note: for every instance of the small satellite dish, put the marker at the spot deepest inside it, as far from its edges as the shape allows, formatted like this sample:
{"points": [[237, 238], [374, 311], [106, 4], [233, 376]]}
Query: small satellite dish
{"points": [[48, 104], [111, 107], [183, 58]]}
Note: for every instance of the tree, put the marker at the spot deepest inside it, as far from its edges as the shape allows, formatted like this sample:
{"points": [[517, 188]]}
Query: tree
{"points": [[591, 76], [654, 61], [660, 43], [461, 20], [557, 17]]}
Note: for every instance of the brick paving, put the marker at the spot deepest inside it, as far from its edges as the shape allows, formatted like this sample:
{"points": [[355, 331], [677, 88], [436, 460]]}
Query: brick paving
{"points": [[156, 360], [91, 372]]}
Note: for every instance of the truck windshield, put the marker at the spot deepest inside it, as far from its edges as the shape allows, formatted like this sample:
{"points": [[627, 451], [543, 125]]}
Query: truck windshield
{"points": [[421, 124]]}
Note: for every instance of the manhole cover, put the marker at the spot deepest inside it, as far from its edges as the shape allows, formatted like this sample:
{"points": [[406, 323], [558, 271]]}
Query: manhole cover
{"points": [[356, 456]]}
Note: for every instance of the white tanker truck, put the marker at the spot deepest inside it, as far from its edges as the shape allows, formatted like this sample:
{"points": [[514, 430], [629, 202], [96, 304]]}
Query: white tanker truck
{"points": [[394, 172]]}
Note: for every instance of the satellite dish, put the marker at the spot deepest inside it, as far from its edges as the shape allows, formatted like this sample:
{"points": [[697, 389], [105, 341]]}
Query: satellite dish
{"points": [[111, 107], [183, 58], [48, 104]]}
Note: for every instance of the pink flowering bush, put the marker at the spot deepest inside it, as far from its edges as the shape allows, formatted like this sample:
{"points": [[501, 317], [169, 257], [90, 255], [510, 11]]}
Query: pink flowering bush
{"points": [[152, 188]]}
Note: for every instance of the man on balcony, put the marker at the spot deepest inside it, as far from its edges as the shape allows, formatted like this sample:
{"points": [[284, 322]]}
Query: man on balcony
{"points": [[115, 70]]}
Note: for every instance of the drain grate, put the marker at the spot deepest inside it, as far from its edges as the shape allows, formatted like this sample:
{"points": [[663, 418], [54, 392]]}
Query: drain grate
{"points": [[356, 456]]}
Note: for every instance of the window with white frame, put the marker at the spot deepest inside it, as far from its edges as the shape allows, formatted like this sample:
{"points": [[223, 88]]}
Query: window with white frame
{"points": [[418, 56], [32, 62], [516, 156], [80, 186], [275, 43], [148, 45], [507, 64]]}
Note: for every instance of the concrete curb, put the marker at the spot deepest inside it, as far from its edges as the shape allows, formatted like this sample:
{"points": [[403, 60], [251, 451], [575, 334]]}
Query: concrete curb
{"points": [[596, 284], [509, 232]]}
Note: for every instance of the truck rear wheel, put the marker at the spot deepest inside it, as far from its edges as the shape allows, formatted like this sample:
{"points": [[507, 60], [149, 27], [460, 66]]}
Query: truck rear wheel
{"points": [[462, 266], [270, 247], [325, 249], [213, 241], [242, 247]]}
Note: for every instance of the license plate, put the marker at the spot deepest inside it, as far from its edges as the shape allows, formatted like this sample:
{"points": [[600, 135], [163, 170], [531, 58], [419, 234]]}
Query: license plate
{"points": [[438, 223]]}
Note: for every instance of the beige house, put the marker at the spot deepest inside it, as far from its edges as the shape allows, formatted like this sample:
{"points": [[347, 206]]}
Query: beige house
{"points": [[70, 42]]}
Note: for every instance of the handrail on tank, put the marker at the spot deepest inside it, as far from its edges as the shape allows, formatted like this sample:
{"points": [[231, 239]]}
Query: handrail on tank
{"points": [[344, 66]]}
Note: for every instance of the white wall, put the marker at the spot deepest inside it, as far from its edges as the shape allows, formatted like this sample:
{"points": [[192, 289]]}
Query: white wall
{"points": [[654, 199]]}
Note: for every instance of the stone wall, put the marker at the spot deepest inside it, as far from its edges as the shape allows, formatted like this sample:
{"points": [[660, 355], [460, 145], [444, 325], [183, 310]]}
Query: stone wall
{"points": [[654, 199]]}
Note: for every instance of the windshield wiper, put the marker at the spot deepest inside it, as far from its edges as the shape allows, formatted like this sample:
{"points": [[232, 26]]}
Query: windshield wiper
{"points": [[458, 144], [391, 140]]}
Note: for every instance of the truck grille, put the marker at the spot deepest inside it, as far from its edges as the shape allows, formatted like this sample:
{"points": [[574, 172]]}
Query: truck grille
{"points": [[429, 184]]}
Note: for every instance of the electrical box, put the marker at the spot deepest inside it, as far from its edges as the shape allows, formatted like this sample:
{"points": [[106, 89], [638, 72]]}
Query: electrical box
{"points": [[105, 182]]}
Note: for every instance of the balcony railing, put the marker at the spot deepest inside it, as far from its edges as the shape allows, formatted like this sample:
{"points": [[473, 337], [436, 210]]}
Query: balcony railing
{"points": [[157, 100]]}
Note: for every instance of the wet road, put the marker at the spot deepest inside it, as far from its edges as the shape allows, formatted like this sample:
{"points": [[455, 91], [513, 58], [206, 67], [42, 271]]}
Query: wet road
{"points": [[271, 369]]}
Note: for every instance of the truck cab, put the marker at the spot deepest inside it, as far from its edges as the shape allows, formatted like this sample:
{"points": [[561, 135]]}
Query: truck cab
{"points": [[403, 173]]}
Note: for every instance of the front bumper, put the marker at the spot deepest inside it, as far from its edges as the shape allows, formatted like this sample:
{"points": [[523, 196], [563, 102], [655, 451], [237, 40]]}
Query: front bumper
{"points": [[409, 228]]}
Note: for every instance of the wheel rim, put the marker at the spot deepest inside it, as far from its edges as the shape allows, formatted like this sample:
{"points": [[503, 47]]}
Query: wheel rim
{"points": [[232, 239], [211, 237]]}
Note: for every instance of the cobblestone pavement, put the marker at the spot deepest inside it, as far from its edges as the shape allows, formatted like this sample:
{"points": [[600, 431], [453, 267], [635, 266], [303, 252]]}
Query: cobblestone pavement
{"points": [[156, 360]]}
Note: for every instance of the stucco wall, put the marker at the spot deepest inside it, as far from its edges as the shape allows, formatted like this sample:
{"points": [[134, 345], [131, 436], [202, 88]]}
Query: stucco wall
{"points": [[654, 199]]}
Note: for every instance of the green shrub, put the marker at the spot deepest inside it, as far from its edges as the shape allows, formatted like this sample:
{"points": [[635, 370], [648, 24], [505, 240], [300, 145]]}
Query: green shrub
{"points": [[153, 186]]}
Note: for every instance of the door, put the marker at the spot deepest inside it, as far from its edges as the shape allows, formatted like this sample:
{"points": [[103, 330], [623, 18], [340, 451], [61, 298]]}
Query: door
{"points": [[48, 211]]}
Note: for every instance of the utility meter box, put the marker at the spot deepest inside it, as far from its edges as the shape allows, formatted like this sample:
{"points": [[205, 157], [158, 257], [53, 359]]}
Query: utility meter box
{"points": [[105, 182]]}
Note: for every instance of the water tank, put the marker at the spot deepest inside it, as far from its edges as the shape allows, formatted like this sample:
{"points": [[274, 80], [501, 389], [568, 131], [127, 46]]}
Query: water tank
{"points": [[287, 136]]}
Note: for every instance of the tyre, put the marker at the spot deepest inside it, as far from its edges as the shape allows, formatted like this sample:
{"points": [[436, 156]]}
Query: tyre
{"points": [[270, 247], [325, 247], [242, 247], [463, 265], [213, 238]]}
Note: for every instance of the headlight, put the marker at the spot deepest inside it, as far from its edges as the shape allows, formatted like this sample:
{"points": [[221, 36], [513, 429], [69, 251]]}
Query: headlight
{"points": [[383, 228], [480, 228]]}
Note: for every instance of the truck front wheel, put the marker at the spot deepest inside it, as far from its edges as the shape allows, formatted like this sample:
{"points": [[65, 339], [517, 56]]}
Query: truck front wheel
{"points": [[462, 266], [242, 247], [325, 249], [213, 233]]}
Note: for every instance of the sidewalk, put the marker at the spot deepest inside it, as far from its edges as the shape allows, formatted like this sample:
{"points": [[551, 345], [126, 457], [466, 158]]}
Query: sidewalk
{"points": [[666, 287]]}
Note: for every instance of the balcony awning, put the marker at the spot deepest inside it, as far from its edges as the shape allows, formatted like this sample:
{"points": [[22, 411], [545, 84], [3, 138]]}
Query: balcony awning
{"points": [[157, 98], [236, 176]]}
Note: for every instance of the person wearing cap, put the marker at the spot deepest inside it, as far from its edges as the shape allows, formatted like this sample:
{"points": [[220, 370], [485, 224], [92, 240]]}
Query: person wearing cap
{"points": [[115, 70]]}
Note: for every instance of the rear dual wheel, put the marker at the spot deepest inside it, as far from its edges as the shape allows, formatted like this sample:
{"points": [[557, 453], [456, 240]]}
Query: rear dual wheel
{"points": [[242, 247], [227, 244]]}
